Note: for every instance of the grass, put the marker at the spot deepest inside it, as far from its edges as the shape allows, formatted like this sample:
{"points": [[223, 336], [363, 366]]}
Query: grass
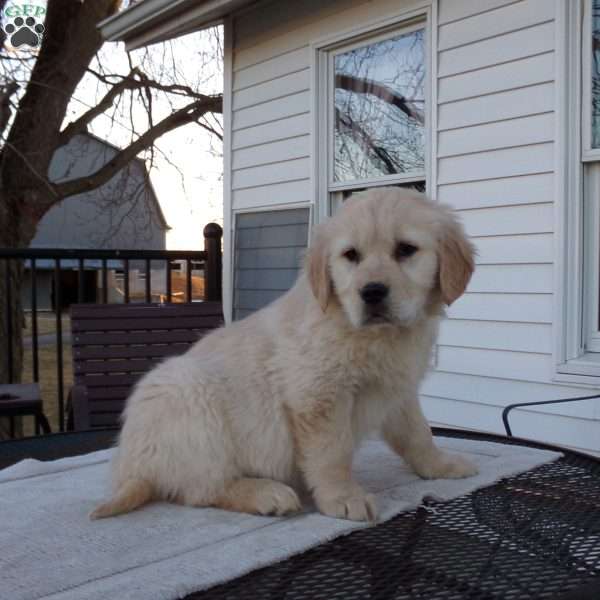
{"points": [[48, 383], [46, 323]]}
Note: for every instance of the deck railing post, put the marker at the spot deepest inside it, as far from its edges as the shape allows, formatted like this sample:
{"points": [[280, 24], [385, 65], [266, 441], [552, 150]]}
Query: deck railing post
{"points": [[213, 265]]}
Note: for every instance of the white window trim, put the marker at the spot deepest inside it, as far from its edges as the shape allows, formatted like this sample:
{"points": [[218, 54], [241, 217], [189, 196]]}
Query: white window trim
{"points": [[321, 49], [591, 295], [228, 219], [572, 363]]}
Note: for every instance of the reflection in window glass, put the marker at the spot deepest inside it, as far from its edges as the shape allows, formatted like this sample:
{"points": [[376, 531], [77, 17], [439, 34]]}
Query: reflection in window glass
{"points": [[596, 74], [380, 109]]}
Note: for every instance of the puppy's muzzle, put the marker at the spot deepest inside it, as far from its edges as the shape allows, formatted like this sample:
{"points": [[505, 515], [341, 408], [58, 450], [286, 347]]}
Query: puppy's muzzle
{"points": [[374, 293]]}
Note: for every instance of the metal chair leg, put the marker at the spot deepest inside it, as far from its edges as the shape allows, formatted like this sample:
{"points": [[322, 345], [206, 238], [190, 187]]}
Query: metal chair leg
{"points": [[42, 421]]}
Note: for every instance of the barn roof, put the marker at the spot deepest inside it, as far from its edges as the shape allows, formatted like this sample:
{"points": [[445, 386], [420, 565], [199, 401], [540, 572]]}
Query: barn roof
{"points": [[142, 164]]}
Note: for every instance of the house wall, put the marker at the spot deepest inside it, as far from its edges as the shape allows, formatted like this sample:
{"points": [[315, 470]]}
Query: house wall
{"points": [[495, 122]]}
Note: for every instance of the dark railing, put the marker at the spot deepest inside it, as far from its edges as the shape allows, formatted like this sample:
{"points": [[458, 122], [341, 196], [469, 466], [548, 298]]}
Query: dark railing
{"points": [[82, 262]]}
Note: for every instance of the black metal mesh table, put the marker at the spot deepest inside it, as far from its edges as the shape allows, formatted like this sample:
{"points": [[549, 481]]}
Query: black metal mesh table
{"points": [[533, 536]]}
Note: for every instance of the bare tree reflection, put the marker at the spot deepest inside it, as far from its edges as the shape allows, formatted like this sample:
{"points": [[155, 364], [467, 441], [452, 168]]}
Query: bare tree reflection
{"points": [[379, 109]]}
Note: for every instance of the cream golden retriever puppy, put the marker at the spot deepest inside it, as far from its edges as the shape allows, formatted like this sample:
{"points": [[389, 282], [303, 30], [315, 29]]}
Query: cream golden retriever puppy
{"points": [[279, 401]]}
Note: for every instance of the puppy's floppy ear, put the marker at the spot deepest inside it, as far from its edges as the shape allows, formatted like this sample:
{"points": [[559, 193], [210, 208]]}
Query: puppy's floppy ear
{"points": [[456, 256], [317, 269]]}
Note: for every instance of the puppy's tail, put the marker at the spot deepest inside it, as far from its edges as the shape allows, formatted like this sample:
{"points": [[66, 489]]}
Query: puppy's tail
{"points": [[130, 495]]}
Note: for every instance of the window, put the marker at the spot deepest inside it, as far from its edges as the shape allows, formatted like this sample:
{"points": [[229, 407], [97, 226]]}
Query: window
{"points": [[578, 280], [373, 112]]}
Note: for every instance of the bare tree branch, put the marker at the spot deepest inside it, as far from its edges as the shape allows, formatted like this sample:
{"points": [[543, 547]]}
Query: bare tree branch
{"points": [[188, 114], [5, 103], [80, 125], [365, 140], [136, 80], [145, 81], [210, 129], [361, 85]]}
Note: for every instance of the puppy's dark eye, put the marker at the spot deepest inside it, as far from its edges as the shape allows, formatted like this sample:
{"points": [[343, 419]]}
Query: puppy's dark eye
{"points": [[404, 250], [352, 255]]}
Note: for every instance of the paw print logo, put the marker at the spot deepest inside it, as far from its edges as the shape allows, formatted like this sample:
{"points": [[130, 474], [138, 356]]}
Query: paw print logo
{"points": [[24, 32]]}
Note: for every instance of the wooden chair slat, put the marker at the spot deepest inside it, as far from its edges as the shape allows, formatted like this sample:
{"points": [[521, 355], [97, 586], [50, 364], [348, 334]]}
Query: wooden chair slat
{"points": [[99, 380], [109, 405], [108, 338], [107, 393], [146, 323], [137, 365], [81, 312], [111, 352]]}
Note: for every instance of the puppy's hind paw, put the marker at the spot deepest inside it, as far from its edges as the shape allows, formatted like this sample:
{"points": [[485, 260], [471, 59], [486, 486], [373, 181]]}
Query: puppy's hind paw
{"points": [[259, 497], [446, 466]]}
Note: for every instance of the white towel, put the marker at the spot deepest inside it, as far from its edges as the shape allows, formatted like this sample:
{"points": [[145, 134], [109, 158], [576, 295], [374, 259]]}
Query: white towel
{"points": [[50, 549]]}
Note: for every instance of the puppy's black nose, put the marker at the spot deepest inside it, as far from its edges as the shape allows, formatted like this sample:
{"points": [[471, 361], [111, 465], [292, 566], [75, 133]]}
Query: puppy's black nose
{"points": [[374, 293]]}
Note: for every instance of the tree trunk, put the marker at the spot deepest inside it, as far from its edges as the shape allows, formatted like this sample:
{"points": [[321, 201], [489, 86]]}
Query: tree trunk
{"points": [[11, 324], [11, 310], [70, 41], [11, 333], [16, 231]]}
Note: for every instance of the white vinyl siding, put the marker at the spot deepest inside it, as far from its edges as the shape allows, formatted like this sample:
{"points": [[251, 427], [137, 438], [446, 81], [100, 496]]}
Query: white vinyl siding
{"points": [[496, 129], [270, 131], [527, 189], [495, 160], [527, 71], [498, 106], [535, 129]]}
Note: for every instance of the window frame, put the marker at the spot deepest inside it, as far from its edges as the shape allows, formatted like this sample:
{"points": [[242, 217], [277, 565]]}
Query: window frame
{"points": [[591, 235], [591, 194], [325, 189], [574, 361]]}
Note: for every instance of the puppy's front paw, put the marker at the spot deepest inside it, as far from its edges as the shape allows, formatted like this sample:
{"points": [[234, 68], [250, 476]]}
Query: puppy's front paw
{"points": [[443, 465], [353, 504]]}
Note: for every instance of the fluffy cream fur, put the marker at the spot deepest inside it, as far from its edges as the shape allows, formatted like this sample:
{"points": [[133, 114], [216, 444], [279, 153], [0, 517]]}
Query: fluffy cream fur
{"points": [[279, 401]]}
